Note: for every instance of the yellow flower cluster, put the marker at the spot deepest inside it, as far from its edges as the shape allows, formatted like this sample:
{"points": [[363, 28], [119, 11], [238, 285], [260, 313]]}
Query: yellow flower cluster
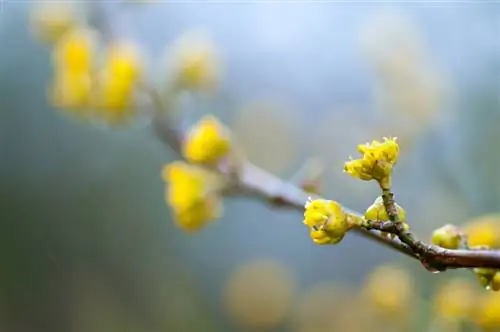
{"points": [[377, 212], [78, 87], [326, 220], [207, 142], [488, 312], [377, 160], [73, 60], [116, 82], [193, 195], [390, 289], [195, 64], [448, 237], [455, 300]]}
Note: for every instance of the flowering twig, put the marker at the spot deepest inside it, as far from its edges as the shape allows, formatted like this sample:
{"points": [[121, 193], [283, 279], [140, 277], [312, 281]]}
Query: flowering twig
{"points": [[268, 187]]}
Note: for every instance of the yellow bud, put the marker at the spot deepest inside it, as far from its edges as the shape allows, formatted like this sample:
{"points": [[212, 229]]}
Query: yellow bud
{"points": [[74, 52], [448, 237], [485, 276], [326, 220], [377, 211], [207, 142]]}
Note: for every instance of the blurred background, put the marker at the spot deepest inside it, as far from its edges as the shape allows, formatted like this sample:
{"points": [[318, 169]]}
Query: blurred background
{"points": [[88, 244]]}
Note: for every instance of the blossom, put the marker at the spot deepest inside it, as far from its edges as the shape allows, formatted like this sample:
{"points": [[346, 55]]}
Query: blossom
{"points": [[207, 141], [74, 52], [377, 160], [326, 220], [192, 194]]}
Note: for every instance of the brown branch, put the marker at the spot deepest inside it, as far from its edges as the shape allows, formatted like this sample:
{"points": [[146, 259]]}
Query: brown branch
{"points": [[255, 181]]}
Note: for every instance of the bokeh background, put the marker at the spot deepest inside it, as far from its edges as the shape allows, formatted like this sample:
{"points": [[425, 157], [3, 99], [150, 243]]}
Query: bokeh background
{"points": [[88, 244]]}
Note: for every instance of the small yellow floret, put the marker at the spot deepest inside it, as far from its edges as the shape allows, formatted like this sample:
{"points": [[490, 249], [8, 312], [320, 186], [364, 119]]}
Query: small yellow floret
{"points": [[377, 160], [74, 52], [326, 220], [114, 93], [207, 142], [448, 237], [195, 63], [191, 195]]}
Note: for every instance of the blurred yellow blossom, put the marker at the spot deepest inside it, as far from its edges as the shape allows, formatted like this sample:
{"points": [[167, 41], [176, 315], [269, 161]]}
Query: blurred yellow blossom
{"points": [[193, 195], [484, 231], [390, 290], [49, 20], [259, 294], [377, 160], [195, 63], [71, 91], [319, 308], [447, 236], [207, 141], [116, 83], [487, 313], [326, 220], [455, 300], [74, 52]]}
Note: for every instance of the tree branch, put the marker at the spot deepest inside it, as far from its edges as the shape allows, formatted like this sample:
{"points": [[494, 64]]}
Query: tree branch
{"points": [[263, 185]]}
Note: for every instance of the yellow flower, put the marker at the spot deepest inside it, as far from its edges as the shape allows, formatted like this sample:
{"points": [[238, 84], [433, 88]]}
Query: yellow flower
{"points": [[326, 220], [74, 52], [487, 315], [123, 62], [195, 63], [448, 237], [207, 141], [116, 84], [71, 91], [484, 231], [192, 194], [377, 160], [390, 290], [50, 20], [455, 300]]}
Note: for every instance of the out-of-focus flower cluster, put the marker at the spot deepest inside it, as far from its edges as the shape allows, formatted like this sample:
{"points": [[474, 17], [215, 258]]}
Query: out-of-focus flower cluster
{"points": [[193, 191], [411, 89], [263, 294]]}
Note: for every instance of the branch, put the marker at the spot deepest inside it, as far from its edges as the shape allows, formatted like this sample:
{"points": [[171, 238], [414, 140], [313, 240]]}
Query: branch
{"points": [[263, 185]]}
